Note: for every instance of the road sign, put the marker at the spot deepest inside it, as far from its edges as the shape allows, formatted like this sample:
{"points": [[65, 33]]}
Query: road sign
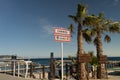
{"points": [[85, 58], [61, 38], [61, 35], [61, 31], [103, 59]]}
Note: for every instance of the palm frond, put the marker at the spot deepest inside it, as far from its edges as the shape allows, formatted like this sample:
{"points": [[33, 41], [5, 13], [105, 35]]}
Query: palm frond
{"points": [[93, 32], [107, 38], [73, 17], [101, 16], [105, 25], [91, 53], [90, 20], [95, 41], [72, 59], [87, 35], [115, 27], [71, 28], [81, 10]]}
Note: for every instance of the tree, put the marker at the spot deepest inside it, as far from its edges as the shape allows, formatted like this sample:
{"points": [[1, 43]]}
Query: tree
{"points": [[78, 18], [99, 26]]}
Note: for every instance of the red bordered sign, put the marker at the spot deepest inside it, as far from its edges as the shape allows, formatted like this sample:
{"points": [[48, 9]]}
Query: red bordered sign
{"points": [[61, 31], [61, 35]]}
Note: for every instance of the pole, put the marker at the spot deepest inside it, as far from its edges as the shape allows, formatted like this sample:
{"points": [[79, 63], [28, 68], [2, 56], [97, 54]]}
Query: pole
{"points": [[52, 71], [26, 72], [43, 72], [62, 60], [14, 69], [5, 68], [18, 68]]}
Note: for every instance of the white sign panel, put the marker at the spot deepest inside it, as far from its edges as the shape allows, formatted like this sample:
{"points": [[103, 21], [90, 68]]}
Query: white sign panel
{"points": [[61, 31], [61, 35], [60, 38]]}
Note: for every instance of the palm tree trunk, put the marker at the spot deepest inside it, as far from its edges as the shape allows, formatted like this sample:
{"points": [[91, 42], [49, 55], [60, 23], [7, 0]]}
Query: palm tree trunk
{"points": [[99, 45], [99, 53], [81, 66]]}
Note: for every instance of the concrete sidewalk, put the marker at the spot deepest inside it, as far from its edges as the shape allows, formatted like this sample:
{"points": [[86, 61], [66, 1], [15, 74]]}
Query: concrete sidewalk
{"points": [[9, 77]]}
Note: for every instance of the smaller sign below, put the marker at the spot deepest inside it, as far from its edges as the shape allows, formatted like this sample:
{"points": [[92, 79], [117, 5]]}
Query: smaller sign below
{"points": [[60, 38]]}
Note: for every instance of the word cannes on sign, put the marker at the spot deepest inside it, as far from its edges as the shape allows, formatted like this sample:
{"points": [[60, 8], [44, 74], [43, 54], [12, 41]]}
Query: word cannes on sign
{"points": [[61, 35], [61, 31]]}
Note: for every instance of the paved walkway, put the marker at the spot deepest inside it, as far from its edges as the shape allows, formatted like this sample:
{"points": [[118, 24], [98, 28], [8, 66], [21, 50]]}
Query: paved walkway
{"points": [[110, 77], [9, 77]]}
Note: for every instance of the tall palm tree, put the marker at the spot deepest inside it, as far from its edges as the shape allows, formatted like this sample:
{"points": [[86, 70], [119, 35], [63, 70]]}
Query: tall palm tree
{"points": [[100, 26], [78, 18]]}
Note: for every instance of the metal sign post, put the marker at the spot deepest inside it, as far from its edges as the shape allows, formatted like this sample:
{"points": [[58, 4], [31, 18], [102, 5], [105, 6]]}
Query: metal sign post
{"points": [[61, 35], [62, 59]]}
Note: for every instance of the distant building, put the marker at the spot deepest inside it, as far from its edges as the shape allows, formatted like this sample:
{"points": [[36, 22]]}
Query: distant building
{"points": [[7, 57]]}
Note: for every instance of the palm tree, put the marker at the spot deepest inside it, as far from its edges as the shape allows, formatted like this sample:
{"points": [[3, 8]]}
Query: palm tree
{"points": [[100, 26], [78, 18]]}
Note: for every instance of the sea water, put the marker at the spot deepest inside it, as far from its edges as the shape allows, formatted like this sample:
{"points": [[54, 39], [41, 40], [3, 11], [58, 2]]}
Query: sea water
{"points": [[46, 61]]}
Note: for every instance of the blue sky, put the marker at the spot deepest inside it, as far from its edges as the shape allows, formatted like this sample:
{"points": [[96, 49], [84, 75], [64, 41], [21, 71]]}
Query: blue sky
{"points": [[26, 26]]}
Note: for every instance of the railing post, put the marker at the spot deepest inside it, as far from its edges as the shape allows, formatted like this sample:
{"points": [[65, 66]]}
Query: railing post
{"points": [[71, 69], [31, 70], [13, 58], [52, 67], [43, 71], [60, 73], [66, 71]]}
